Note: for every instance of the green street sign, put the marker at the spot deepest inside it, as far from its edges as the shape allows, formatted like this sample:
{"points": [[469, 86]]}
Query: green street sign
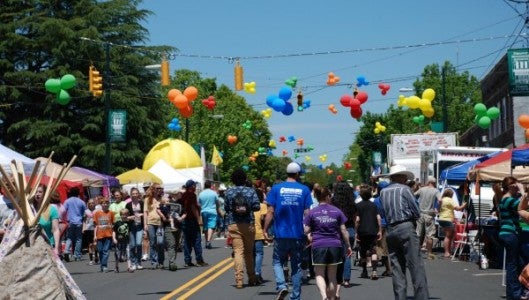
{"points": [[117, 125]]}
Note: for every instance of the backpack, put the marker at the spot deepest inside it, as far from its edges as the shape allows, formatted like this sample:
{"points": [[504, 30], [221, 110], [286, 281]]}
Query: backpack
{"points": [[240, 206]]}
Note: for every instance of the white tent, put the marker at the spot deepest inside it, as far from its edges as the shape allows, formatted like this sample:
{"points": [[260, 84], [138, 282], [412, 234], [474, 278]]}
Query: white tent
{"points": [[7, 155], [173, 179]]}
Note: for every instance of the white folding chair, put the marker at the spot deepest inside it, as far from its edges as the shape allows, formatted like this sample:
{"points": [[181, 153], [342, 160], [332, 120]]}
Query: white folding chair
{"points": [[466, 238]]}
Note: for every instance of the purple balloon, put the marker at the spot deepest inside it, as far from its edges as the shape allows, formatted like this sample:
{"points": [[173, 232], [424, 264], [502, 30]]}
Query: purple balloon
{"points": [[288, 109], [285, 93]]}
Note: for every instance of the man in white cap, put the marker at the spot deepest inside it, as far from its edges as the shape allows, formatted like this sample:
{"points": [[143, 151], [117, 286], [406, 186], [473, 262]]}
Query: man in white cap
{"points": [[288, 202], [401, 212]]}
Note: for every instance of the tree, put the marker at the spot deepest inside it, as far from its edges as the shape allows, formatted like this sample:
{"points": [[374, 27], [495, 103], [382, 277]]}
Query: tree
{"points": [[46, 39], [461, 93]]}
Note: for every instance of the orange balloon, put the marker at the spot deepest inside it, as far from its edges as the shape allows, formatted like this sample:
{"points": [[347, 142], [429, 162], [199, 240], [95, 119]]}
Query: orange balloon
{"points": [[187, 111], [180, 101], [232, 139], [523, 120], [171, 95], [191, 93], [527, 134]]}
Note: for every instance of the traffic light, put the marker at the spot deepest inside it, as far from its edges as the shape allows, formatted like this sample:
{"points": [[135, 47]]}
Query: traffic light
{"points": [[165, 73], [238, 77], [300, 101], [95, 82]]}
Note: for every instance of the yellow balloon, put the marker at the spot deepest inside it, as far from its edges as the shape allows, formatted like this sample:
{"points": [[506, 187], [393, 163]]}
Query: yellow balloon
{"points": [[376, 130], [428, 94], [428, 113], [424, 104], [307, 158], [402, 101], [413, 102], [382, 128]]}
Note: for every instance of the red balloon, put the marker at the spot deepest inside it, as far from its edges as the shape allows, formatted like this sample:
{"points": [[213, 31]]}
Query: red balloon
{"points": [[347, 165], [355, 103], [345, 100], [339, 178], [187, 111], [356, 112], [362, 97]]}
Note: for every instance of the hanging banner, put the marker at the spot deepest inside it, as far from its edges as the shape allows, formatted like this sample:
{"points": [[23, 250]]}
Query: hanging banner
{"points": [[518, 61], [117, 125]]}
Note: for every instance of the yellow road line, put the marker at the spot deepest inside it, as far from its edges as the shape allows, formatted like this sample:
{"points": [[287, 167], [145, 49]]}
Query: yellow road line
{"points": [[203, 283], [199, 277]]}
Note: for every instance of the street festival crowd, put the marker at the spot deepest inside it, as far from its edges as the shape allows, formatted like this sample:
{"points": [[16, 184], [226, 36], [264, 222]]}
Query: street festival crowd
{"points": [[316, 231]]}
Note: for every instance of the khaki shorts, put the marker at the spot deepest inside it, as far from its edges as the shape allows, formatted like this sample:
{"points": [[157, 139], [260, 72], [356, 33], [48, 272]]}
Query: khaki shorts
{"points": [[426, 226]]}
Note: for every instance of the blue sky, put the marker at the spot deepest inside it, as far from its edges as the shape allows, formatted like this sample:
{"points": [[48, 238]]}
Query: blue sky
{"points": [[375, 39]]}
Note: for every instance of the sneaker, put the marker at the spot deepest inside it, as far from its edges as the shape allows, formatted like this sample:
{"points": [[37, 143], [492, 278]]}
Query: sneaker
{"points": [[130, 270], [139, 267], [202, 263], [91, 263], [208, 245], [173, 267], [190, 264], [374, 275], [144, 257], [104, 269], [133, 268], [282, 294]]}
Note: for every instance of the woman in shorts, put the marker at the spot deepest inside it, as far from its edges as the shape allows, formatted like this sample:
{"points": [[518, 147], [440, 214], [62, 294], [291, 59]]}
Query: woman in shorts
{"points": [[325, 230], [446, 218]]}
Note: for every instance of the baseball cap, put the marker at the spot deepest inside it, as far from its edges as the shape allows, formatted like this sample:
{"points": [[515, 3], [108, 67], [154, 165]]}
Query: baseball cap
{"points": [[190, 183], [293, 168]]}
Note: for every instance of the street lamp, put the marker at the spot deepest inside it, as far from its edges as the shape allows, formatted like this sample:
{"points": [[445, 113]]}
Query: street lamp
{"points": [[406, 90]]}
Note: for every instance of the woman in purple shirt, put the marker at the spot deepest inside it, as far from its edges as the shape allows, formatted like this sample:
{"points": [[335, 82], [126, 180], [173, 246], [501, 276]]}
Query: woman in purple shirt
{"points": [[325, 229]]}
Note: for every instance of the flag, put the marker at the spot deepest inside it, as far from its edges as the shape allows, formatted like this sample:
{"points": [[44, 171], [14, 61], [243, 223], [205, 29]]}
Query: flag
{"points": [[216, 159]]}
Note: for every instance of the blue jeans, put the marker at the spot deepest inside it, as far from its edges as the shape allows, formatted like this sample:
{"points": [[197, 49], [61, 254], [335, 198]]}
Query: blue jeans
{"points": [[75, 234], [512, 265], [156, 245], [192, 239], [258, 253], [103, 247], [135, 244], [282, 249], [347, 260]]}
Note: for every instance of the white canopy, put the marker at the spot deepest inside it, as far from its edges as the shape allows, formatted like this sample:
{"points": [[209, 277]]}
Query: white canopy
{"points": [[7, 155]]}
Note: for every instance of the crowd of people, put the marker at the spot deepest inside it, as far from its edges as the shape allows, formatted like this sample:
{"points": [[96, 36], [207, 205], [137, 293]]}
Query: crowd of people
{"points": [[315, 230]]}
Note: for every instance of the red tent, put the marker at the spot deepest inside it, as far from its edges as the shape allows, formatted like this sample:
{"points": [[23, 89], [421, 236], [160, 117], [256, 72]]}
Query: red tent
{"points": [[499, 167], [64, 186]]}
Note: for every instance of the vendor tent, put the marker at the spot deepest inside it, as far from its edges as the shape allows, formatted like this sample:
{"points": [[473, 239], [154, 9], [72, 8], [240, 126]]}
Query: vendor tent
{"points": [[499, 167], [172, 179], [520, 157], [458, 173], [7, 155], [84, 176]]}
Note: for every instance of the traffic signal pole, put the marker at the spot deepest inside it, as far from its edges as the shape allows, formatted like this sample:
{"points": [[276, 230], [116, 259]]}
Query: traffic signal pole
{"points": [[107, 88]]}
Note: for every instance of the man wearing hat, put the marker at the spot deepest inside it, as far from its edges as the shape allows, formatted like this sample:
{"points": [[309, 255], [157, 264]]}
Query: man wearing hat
{"points": [[401, 211], [288, 202], [429, 197], [191, 226]]}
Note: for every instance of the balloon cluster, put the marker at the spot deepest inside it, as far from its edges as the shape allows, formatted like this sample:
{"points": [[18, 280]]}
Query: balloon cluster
{"points": [[384, 88], [300, 142], [485, 116], [272, 144], [333, 109], [323, 157], [361, 80], [282, 139], [307, 158], [332, 79], [523, 120], [174, 125], [347, 165], [280, 102], [291, 138], [354, 102], [249, 87], [59, 87], [182, 101], [424, 103], [419, 120], [292, 82], [232, 139], [209, 103], [379, 128], [284, 152], [247, 125], [267, 113]]}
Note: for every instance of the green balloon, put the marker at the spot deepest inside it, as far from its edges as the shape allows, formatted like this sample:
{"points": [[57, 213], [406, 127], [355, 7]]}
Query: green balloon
{"points": [[480, 109], [53, 85], [63, 97], [416, 120], [67, 81], [484, 122], [493, 113]]}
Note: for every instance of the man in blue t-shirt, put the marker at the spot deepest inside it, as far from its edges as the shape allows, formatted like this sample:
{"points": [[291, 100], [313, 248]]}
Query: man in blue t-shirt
{"points": [[208, 204], [288, 202]]}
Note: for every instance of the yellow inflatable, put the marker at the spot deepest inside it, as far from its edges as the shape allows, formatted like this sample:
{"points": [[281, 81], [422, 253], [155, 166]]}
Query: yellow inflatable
{"points": [[177, 153]]}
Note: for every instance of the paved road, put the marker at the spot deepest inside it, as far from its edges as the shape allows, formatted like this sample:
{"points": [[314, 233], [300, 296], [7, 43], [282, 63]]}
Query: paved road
{"points": [[446, 280]]}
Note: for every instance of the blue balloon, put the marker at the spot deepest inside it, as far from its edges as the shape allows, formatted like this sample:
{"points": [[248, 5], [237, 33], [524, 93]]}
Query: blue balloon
{"points": [[288, 109], [361, 81], [270, 100], [291, 138], [170, 126], [177, 127], [174, 120], [306, 104], [285, 93], [245, 167], [278, 104]]}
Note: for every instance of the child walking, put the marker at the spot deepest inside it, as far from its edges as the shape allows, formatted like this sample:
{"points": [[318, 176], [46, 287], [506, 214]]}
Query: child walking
{"points": [[121, 238], [103, 220]]}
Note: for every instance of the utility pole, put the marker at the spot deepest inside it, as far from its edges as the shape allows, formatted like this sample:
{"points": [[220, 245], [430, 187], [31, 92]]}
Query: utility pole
{"points": [[443, 94], [108, 85]]}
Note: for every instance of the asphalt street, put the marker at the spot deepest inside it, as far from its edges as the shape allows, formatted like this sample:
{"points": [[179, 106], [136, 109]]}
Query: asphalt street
{"points": [[447, 279]]}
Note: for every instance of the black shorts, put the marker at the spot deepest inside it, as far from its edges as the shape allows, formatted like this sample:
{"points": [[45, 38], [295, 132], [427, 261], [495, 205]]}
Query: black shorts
{"points": [[367, 243], [327, 256]]}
